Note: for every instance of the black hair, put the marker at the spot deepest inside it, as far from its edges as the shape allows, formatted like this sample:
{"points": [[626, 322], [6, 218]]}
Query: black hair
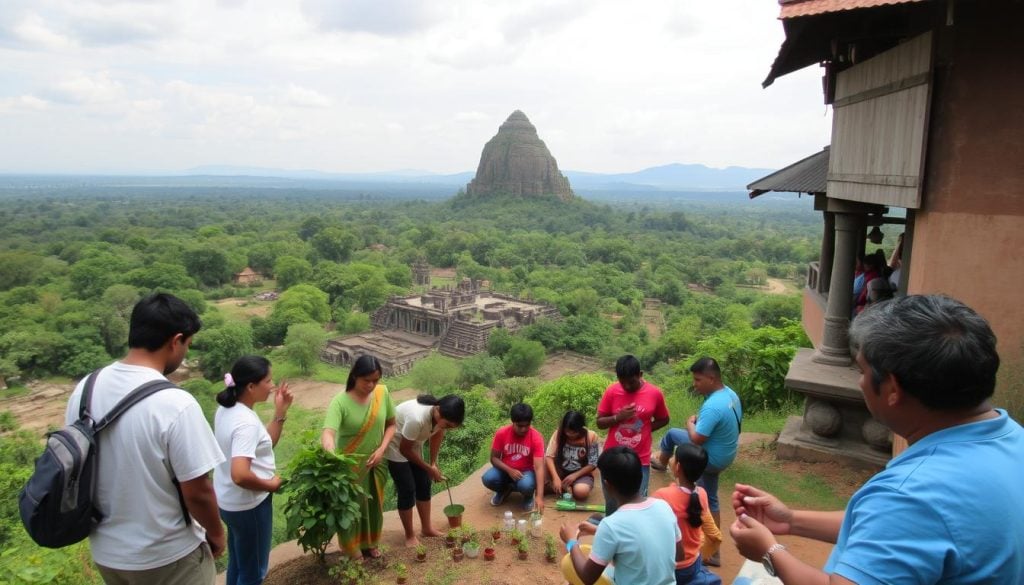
{"points": [[572, 420], [249, 369], [362, 367], [620, 468], [157, 318], [627, 367], [941, 351], [692, 460], [451, 407], [707, 366], [521, 413]]}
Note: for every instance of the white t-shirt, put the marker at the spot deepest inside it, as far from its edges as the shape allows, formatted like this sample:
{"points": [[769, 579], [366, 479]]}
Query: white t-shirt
{"points": [[163, 437], [240, 433], [413, 422]]}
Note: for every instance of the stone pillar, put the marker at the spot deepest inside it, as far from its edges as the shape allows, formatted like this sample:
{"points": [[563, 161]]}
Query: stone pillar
{"points": [[828, 252], [835, 343]]}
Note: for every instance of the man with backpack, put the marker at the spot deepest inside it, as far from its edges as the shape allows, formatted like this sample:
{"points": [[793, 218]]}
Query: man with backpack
{"points": [[151, 531]]}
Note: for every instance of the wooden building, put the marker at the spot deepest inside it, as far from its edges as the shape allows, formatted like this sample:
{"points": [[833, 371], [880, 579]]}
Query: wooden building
{"points": [[926, 140]]}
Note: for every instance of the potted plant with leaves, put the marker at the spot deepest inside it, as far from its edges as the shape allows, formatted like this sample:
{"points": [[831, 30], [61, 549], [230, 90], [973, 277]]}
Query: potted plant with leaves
{"points": [[401, 573], [323, 492], [524, 548], [421, 553], [489, 550], [550, 548], [516, 536], [466, 533], [472, 546], [451, 538], [453, 511], [349, 572], [457, 554], [495, 532]]}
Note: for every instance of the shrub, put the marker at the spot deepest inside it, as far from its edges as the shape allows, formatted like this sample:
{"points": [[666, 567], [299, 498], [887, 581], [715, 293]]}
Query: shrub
{"points": [[513, 391], [323, 497], [581, 392]]}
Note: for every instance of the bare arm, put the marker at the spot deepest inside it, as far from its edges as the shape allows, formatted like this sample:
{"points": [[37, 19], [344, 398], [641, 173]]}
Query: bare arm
{"points": [[538, 476], [409, 450], [496, 461], [389, 433], [658, 423], [327, 440], [282, 402], [823, 526], [691, 429], [243, 476], [201, 502]]}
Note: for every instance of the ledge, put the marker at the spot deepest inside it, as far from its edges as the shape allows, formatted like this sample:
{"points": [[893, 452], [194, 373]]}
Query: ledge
{"points": [[822, 380]]}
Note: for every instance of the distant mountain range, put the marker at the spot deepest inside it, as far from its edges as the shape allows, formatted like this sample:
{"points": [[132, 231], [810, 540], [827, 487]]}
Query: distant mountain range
{"points": [[672, 177]]}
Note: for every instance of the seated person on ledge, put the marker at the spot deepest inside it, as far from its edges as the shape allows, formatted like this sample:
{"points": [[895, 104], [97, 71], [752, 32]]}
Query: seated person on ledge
{"points": [[517, 456], [572, 457], [642, 538]]}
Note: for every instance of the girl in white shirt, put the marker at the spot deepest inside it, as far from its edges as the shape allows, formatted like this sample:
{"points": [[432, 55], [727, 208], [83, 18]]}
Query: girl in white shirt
{"points": [[246, 479]]}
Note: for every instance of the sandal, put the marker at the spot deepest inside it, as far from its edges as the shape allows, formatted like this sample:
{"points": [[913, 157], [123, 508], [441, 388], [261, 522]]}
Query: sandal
{"points": [[371, 553]]}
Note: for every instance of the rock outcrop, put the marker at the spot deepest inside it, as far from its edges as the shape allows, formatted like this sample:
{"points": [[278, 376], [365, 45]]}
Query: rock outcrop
{"points": [[517, 163]]}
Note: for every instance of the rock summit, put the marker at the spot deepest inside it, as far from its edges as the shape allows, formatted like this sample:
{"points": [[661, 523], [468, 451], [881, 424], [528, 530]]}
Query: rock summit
{"points": [[517, 163]]}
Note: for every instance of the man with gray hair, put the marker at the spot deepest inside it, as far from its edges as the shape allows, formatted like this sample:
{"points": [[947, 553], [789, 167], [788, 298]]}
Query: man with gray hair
{"points": [[946, 510]]}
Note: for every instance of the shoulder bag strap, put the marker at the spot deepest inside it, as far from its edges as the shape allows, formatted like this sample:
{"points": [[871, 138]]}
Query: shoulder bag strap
{"points": [[85, 400]]}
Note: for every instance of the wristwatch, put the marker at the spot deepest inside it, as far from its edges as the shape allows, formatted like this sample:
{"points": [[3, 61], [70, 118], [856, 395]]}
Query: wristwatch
{"points": [[766, 560]]}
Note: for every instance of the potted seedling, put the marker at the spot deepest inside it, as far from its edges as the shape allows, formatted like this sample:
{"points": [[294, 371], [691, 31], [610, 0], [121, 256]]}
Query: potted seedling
{"points": [[451, 538], [421, 553], [517, 537], [457, 554], [453, 511], [550, 549], [489, 551], [466, 533], [495, 532], [401, 573], [471, 547], [524, 548]]}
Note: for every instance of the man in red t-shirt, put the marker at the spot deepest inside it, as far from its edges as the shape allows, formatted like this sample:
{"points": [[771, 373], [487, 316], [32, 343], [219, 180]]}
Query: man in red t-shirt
{"points": [[517, 454], [631, 409]]}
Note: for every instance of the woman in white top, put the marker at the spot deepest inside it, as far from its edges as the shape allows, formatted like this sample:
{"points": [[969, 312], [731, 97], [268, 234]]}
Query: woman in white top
{"points": [[248, 476], [418, 420]]}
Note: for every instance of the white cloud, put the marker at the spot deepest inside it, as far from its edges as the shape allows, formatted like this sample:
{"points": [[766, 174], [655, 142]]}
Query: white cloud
{"points": [[611, 86], [379, 17], [85, 89], [306, 98]]}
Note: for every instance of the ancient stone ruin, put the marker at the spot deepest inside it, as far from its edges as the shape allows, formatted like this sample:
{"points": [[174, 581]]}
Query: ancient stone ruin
{"points": [[517, 163], [456, 321]]}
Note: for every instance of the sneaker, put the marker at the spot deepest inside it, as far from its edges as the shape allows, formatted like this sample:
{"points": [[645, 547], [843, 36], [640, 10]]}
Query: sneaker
{"points": [[528, 505], [713, 561], [499, 497]]}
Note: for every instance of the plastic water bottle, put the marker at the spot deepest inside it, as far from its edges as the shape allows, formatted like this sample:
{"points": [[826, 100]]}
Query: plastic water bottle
{"points": [[521, 526], [509, 523], [536, 525]]}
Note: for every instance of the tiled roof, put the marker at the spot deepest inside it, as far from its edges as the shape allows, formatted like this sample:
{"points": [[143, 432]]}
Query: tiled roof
{"points": [[808, 175], [796, 8]]}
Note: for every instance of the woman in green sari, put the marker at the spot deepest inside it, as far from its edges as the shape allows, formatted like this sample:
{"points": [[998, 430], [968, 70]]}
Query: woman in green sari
{"points": [[360, 422]]}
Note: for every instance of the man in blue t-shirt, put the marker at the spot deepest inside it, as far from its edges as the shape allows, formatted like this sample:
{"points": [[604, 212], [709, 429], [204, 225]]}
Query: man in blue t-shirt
{"points": [[946, 510], [716, 428]]}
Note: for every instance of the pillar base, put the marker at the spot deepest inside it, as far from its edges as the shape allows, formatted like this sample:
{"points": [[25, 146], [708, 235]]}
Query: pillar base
{"points": [[832, 357]]}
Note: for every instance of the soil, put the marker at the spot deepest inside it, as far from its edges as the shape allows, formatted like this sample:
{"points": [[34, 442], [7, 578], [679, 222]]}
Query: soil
{"points": [[289, 566], [563, 363]]}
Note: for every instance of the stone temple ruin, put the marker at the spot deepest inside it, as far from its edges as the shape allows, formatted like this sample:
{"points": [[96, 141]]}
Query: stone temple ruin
{"points": [[455, 321]]}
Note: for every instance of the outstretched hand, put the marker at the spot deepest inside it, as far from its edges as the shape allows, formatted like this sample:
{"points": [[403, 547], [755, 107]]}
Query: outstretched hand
{"points": [[763, 507]]}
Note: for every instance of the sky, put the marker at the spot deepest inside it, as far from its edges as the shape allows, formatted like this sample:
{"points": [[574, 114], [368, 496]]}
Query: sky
{"points": [[145, 86]]}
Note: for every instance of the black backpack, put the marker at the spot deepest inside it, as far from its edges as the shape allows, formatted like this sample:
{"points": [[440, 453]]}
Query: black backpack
{"points": [[56, 503]]}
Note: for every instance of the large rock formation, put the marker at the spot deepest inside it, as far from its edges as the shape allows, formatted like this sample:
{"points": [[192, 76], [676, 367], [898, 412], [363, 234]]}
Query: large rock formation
{"points": [[517, 163]]}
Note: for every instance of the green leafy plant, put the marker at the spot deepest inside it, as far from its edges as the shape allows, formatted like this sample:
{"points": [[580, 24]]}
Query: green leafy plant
{"points": [[323, 497], [550, 549], [349, 572]]}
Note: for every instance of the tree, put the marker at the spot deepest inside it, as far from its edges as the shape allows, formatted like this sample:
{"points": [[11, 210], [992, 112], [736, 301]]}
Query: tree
{"points": [[303, 345], [304, 299], [353, 322], [222, 346], [523, 358], [481, 369], [290, 271], [499, 342], [550, 400], [435, 374], [208, 265], [334, 243]]}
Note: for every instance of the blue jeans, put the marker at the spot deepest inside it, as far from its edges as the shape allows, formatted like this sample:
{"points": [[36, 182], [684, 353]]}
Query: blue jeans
{"points": [[497, 480], [697, 574], [249, 534], [610, 505], [708, 481]]}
